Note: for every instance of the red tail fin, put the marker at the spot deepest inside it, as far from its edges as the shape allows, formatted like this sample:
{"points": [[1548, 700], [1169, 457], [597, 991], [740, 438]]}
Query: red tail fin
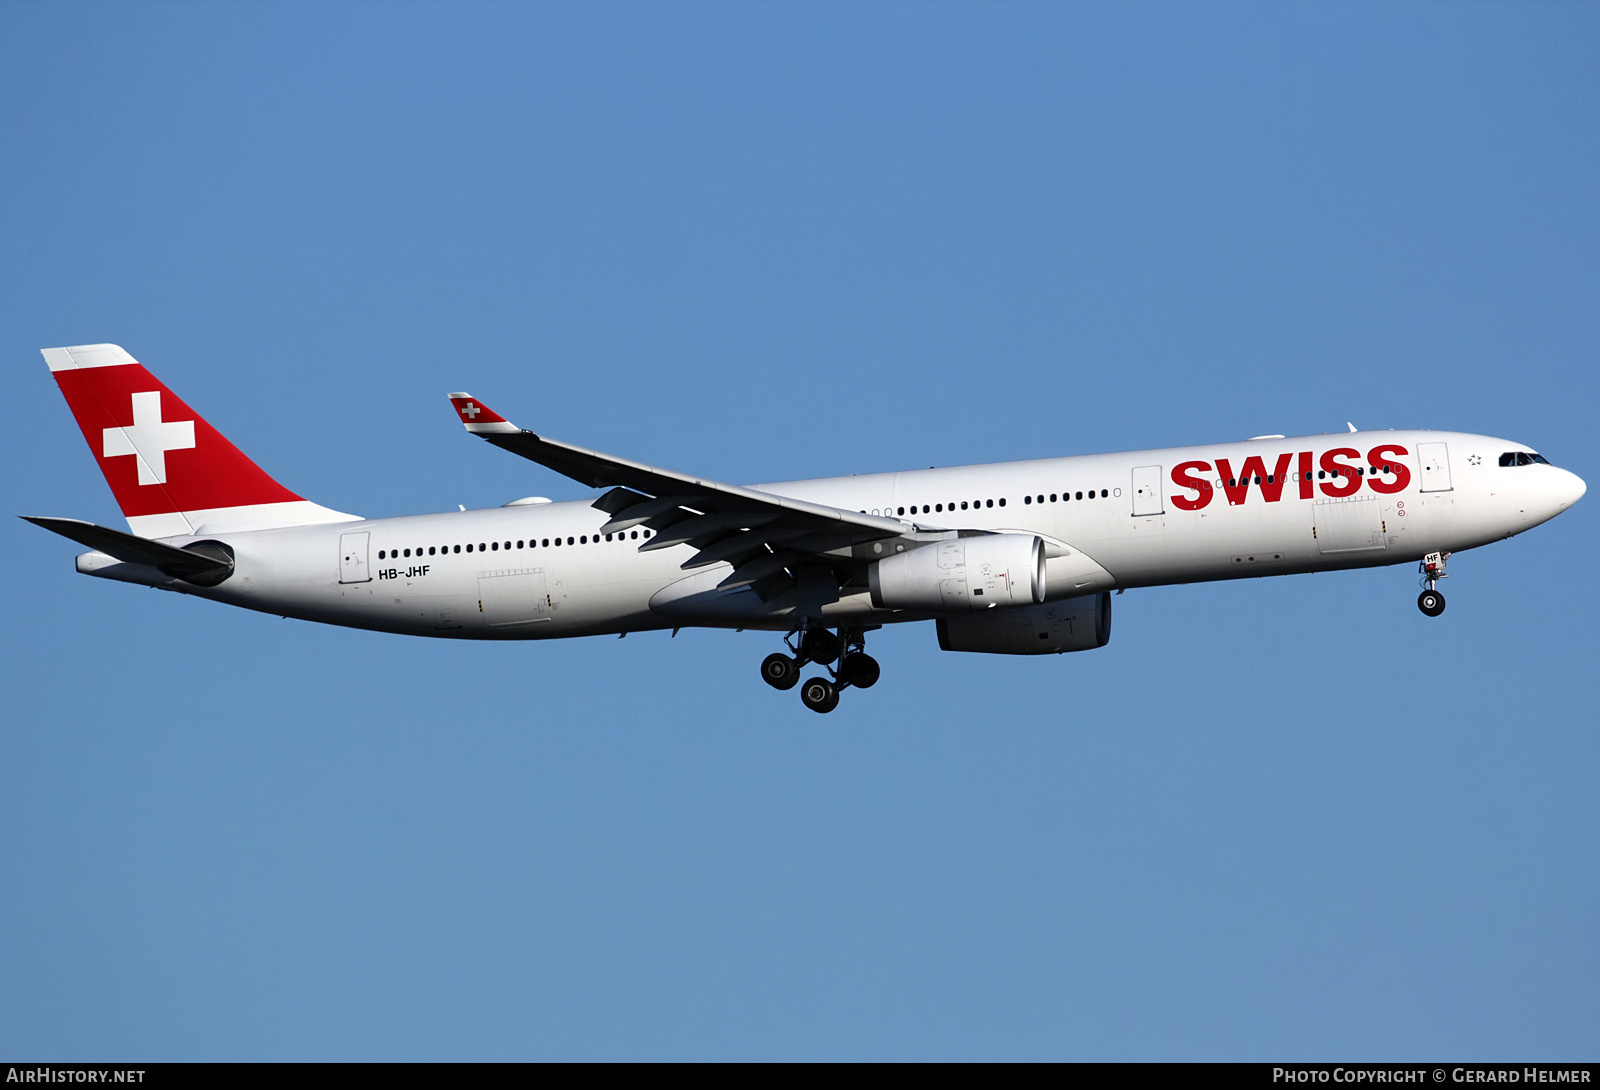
{"points": [[171, 472]]}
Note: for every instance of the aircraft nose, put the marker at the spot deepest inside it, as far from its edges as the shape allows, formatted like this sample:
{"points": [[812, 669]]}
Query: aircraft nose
{"points": [[1569, 489]]}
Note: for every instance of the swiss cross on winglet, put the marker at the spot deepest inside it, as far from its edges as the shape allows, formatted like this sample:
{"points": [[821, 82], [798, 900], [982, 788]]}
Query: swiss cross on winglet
{"points": [[478, 417]]}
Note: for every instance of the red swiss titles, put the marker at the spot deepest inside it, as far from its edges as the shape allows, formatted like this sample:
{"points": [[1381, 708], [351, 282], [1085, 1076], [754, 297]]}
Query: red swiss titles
{"points": [[1341, 465]]}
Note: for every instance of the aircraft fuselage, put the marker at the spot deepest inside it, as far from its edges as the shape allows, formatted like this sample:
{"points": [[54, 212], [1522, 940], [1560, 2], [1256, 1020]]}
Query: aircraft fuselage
{"points": [[1114, 521]]}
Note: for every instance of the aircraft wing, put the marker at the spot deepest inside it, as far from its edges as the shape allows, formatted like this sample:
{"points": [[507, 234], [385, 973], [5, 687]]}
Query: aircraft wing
{"points": [[761, 534]]}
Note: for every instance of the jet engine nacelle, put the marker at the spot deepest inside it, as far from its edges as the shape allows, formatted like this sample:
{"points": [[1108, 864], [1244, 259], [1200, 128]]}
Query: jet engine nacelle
{"points": [[963, 573], [1077, 624]]}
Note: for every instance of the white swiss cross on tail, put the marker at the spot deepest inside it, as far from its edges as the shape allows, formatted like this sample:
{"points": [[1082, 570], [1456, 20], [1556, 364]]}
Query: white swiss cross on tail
{"points": [[148, 438]]}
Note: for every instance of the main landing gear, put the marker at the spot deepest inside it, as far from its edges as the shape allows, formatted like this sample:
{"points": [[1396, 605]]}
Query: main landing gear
{"points": [[1430, 601], [818, 645]]}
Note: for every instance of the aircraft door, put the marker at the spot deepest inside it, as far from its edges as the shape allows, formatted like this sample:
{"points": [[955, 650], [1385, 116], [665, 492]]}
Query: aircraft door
{"points": [[353, 558], [1435, 459], [1147, 491]]}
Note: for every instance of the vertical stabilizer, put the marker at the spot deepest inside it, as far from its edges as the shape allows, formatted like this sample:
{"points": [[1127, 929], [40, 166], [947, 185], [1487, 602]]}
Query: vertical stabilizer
{"points": [[170, 471]]}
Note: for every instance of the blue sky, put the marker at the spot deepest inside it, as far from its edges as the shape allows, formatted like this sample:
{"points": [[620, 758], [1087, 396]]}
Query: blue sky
{"points": [[1283, 818]]}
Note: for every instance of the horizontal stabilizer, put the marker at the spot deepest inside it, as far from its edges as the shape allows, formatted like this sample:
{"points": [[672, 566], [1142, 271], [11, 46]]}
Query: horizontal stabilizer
{"points": [[179, 563]]}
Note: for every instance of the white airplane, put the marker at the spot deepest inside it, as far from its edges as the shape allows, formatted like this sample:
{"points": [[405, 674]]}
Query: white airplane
{"points": [[1016, 558]]}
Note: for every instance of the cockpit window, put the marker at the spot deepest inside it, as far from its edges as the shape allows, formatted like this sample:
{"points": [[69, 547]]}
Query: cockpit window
{"points": [[1541, 459], [1522, 458]]}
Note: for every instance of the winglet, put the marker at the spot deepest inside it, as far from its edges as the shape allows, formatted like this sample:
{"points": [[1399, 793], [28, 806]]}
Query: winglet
{"points": [[478, 417]]}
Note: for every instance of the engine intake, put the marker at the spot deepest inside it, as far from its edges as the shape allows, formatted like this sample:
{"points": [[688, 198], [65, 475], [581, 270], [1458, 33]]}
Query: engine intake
{"points": [[962, 574]]}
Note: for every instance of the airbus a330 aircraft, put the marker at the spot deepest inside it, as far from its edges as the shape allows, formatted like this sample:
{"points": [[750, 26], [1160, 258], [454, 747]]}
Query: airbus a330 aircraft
{"points": [[1017, 558]]}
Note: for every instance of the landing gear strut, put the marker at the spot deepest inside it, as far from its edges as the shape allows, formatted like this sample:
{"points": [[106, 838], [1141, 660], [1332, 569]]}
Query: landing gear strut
{"points": [[818, 645], [1430, 601]]}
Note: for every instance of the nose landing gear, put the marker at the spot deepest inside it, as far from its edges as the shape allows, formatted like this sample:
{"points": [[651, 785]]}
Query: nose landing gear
{"points": [[1430, 601], [818, 645]]}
